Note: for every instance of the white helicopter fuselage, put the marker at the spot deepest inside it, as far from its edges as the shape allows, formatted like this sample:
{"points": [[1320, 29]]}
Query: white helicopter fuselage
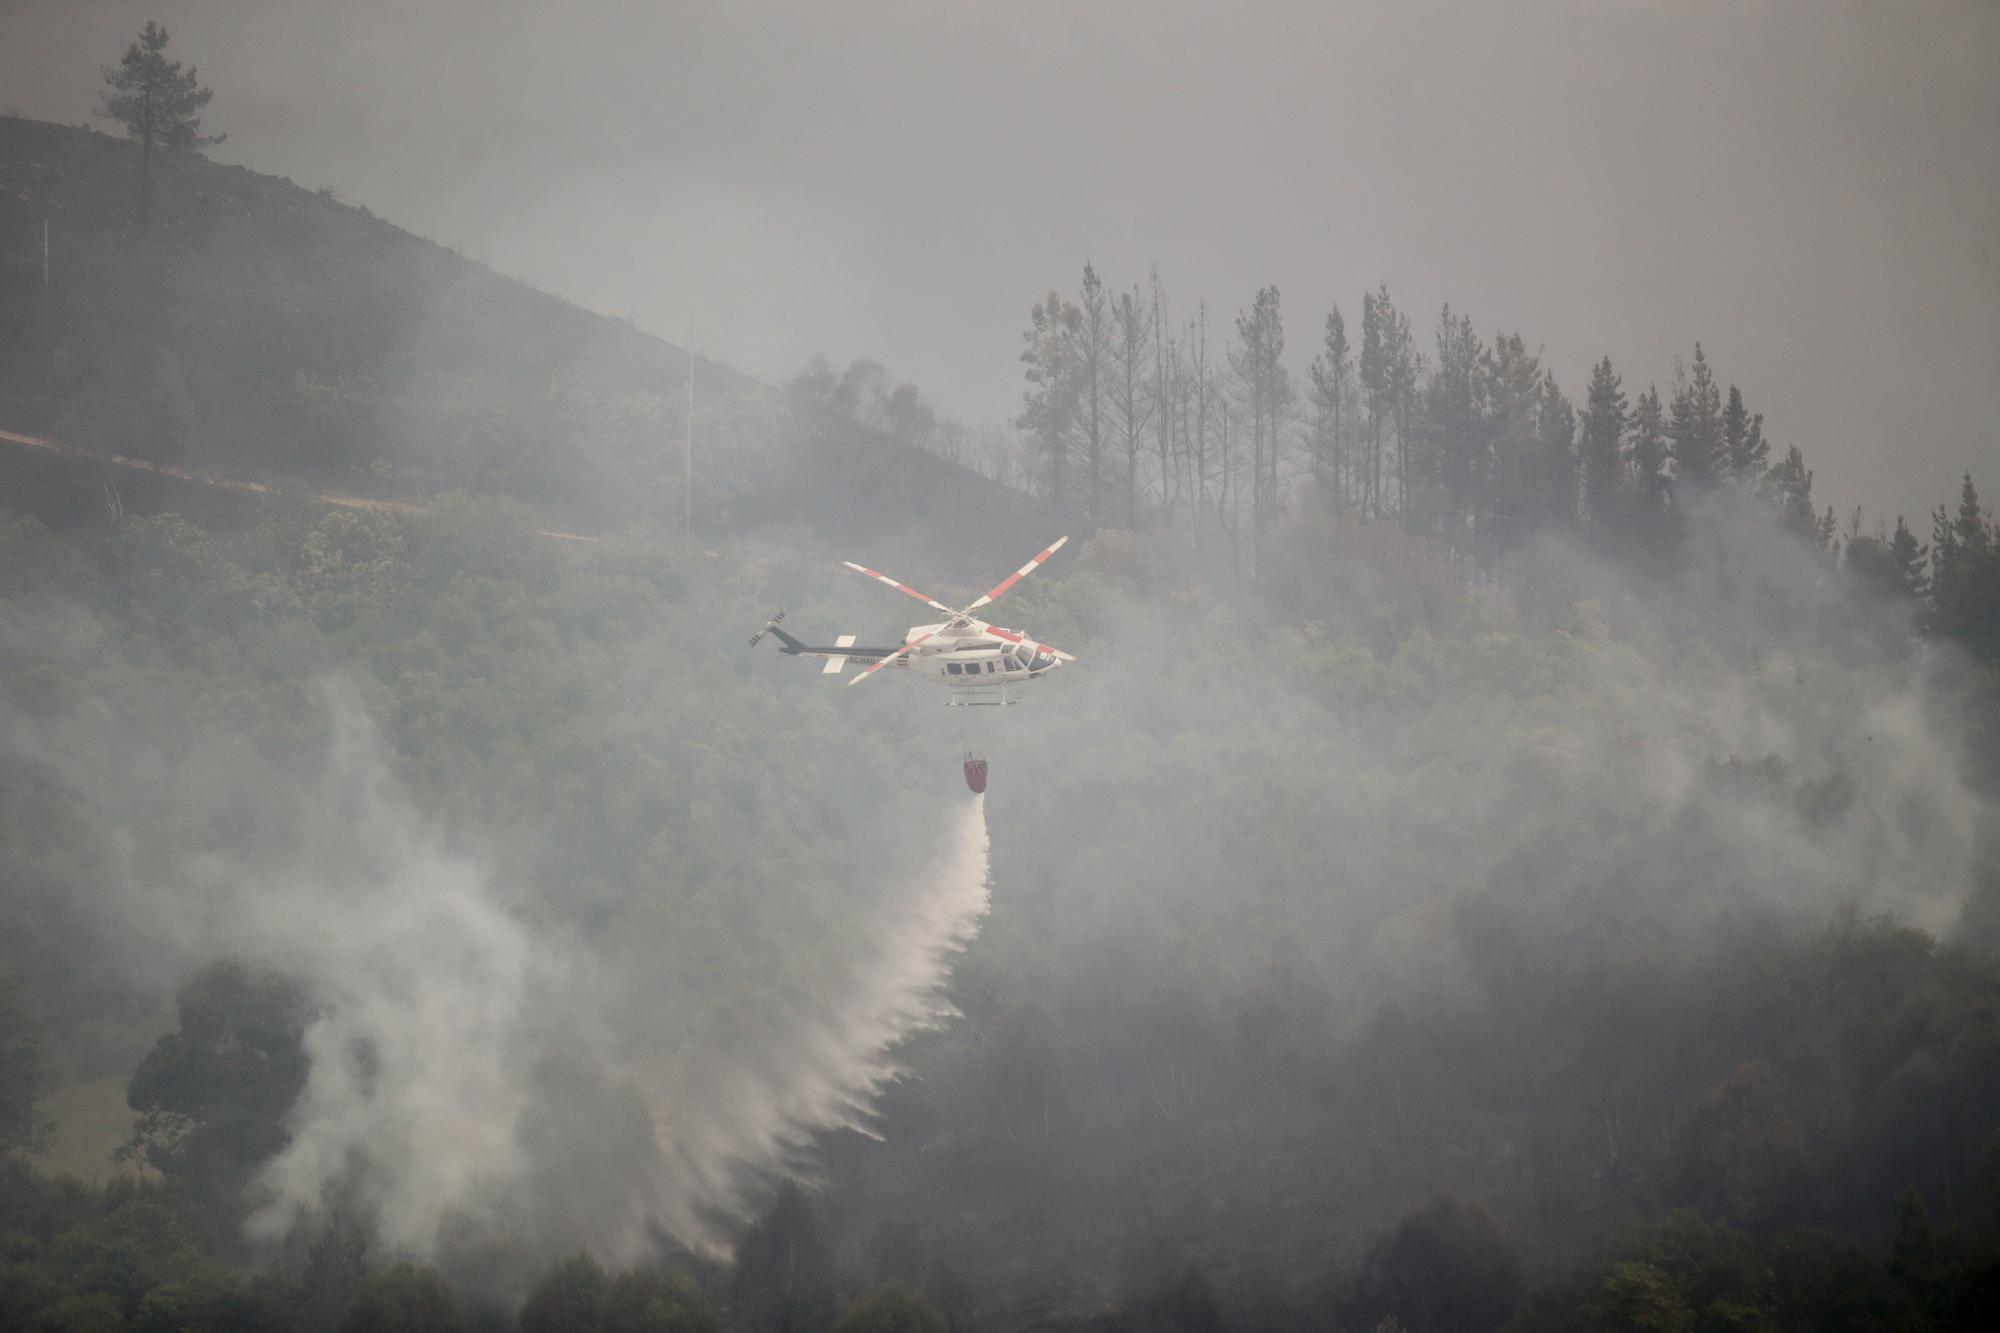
{"points": [[970, 659]]}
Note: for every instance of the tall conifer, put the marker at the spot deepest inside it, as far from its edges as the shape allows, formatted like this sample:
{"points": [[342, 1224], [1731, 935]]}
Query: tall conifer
{"points": [[158, 103], [1603, 449], [1695, 424]]}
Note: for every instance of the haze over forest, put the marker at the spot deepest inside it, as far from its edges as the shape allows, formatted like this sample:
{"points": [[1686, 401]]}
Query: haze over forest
{"points": [[1511, 838], [1806, 186]]}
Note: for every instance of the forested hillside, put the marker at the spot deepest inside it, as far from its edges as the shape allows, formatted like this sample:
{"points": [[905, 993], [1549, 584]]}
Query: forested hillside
{"points": [[1495, 863]]}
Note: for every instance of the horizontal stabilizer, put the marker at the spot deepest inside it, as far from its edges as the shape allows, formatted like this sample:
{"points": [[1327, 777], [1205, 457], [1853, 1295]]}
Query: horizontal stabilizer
{"points": [[834, 664]]}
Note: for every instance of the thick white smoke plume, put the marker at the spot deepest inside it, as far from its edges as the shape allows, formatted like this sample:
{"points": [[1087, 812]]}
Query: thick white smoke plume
{"points": [[468, 1088], [485, 1087], [418, 1060]]}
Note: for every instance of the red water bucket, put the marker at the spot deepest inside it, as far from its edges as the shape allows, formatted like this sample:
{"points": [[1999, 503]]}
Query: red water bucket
{"points": [[975, 774]]}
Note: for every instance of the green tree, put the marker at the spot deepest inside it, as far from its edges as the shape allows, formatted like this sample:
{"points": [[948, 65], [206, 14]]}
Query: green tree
{"points": [[1965, 574], [212, 1097], [1177, 1300], [23, 1126], [1869, 560], [1910, 555], [1789, 486], [1745, 451], [891, 1308], [1133, 404], [1739, 1151], [1651, 486], [1602, 447], [656, 1300], [1638, 1297], [158, 103], [1821, 1281], [1265, 387], [405, 1299], [1695, 426], [569, 1298], [214, 1301], [1328, 376], [784, 1268], [1372, 364], [1914, 1258], [1054, 360], [1554, 463], [1094, 333], [1445, 1267]]}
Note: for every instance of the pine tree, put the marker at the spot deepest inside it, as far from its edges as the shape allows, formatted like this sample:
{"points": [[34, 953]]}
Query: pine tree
{"points": [[1515, 502], [1132, 403], [1651, 516], [1166, 362], [1910, 555], [1975, 536], [1094, 347], [1603, 450], [1328, 393], [1746, 453], [1789, 486], [1965, 574], [1944, 578], [1374, 367], [1054, 366], [1453, 408], [1695, 425], [158, 104], [1554, 465], [1266, 390], [1401, 372]]}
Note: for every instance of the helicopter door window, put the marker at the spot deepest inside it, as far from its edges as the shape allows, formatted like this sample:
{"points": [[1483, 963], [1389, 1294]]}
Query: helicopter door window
{"points": [[952, 667]]}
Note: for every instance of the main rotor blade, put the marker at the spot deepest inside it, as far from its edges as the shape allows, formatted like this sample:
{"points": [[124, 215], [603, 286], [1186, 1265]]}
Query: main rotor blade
{"points": [[890, 658], [1019, 574], [905, 588]]}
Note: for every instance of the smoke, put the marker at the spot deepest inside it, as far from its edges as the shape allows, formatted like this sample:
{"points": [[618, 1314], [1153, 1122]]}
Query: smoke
{"points": [[474, 1085], [1757, 741], [485, 1087], [422, 1045]]}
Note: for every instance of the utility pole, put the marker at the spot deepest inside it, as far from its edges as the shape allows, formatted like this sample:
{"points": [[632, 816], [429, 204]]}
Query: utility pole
{"points": [[687, 480]]}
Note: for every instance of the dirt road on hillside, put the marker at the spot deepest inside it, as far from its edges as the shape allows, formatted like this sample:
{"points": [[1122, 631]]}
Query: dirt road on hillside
{"points": [[251, 487]]}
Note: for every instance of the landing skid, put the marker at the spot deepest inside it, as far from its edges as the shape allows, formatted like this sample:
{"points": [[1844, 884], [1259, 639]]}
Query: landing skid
{"points": [[992, 699]]}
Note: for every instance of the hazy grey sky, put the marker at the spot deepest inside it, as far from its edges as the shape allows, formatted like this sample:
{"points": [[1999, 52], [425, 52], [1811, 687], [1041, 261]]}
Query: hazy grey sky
{"points": [[1810, 187]]}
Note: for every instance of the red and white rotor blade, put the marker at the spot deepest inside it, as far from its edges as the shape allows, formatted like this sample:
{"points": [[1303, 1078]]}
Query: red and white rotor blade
{"points": [[1020, 573], [904, 588], [877, 666]]}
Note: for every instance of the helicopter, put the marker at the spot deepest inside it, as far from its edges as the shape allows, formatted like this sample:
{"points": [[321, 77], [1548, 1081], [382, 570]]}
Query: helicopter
{"points": [[982, 664]]}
